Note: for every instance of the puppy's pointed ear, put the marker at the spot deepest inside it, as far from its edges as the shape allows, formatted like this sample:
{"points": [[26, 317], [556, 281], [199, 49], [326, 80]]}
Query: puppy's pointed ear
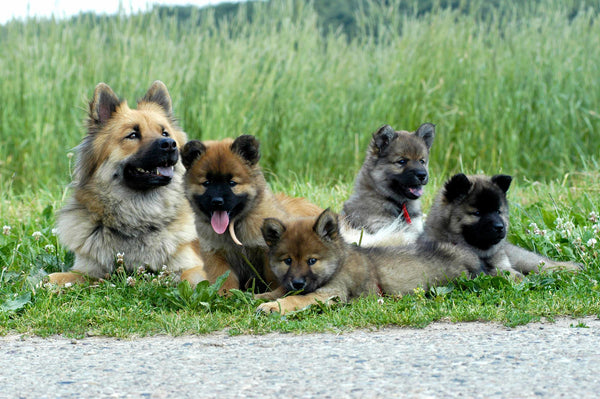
{"points": [[272, 231], [326, 225], [457, 187], [502, 181], [158, 94], [103, 105], [427, 132], [247, 147], [382, 139], [191, 151]]}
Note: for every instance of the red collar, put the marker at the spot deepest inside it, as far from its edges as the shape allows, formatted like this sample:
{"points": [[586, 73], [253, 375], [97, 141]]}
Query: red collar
{"points": [[405, 214]]}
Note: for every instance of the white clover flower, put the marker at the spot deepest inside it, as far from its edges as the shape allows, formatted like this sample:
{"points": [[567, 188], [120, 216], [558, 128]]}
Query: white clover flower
{"points": [[592, 242], [120, 257], [54, 231], [593, 217], [36, 235], [67, 285], [49, 248], [380, 301], [141, 269], [131, 281], [6, 230], [70, 155], [537, 230]]}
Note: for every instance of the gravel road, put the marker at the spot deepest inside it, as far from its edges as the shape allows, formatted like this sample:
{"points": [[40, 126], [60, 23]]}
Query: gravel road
{"points": [[442, 360]]}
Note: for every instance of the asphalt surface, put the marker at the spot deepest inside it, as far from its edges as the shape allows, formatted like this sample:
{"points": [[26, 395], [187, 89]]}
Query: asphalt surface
{"points": [[478, 360]]}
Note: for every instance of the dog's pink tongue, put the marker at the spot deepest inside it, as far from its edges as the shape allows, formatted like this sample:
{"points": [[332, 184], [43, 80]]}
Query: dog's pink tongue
{"points": [[219, 221], [166, 171], [417, 191]]}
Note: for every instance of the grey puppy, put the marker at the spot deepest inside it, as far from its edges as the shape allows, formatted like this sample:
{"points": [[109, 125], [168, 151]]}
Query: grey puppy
{"points": [[385, 207], [472, 212]]}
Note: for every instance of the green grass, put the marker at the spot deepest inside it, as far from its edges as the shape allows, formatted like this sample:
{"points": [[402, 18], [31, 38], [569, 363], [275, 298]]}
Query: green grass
{"points": [[140, 304], [515, 92]]}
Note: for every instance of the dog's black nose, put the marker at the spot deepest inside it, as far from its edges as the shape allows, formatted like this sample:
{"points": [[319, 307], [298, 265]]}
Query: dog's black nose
{"points": [[298, 284], [217, 201], [167, 144], [498, 227], [421, 174]]}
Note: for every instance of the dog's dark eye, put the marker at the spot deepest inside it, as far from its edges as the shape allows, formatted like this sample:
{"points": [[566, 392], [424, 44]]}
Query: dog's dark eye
{"points": [[401, 161], [311, 261], [476, 213], [232, 183], [287, 261], [134, 135], [422, 161], [206, 183], [165, 133]]}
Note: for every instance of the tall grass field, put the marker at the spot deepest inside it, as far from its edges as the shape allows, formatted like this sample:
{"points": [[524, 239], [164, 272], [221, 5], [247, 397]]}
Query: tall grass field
{"points": [[512, 89]]}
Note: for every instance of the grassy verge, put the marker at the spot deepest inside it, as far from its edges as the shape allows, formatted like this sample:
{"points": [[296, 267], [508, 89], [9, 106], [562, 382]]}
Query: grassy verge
{"points": [[559, 219]]}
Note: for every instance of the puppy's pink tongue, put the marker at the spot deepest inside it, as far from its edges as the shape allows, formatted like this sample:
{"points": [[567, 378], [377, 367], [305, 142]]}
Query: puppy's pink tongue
{"points": [[417, 192], [219, 221]]}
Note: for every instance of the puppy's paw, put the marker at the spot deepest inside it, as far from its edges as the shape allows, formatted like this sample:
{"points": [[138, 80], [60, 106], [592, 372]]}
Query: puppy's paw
{"points": [[270, 307]]}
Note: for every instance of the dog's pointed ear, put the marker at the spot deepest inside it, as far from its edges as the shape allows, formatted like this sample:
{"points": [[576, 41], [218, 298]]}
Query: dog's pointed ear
{"points": [[457, 187], [247, 147], [103, 104], [158, 94], [272, 231], [427, 132], [191, 151], [326, 225], [502, 181], [382, 139]]}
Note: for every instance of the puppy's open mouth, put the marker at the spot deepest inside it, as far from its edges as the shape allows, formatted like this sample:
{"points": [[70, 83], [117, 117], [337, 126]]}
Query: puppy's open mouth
{"points": [[414, 192]]}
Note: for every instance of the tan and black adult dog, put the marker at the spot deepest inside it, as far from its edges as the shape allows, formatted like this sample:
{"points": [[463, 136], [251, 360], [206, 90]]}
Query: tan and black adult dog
{"points": [[309, 255], [385, 207], [472, 212], [230, 198], [127, 191]]}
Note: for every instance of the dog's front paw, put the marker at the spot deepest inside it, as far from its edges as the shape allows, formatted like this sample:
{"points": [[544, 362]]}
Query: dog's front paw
{"points": [[270, 307], [66, 278]]}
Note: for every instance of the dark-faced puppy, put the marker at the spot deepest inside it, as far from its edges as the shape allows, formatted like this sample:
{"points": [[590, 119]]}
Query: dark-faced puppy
{"points": [[472, 212], [384, 208], [230, 198]]}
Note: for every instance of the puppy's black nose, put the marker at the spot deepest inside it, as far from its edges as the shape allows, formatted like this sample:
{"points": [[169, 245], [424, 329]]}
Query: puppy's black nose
{"points": [[167, 144], [298, 284], [217, 201], [499, 227], [421, 174]]}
